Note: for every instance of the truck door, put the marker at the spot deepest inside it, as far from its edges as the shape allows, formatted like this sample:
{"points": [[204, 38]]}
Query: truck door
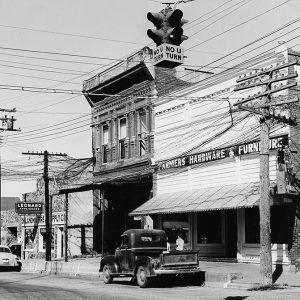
{"points": [[125, 255]]}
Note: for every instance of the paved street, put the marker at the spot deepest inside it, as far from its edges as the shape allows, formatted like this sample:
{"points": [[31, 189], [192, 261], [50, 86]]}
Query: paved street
{"points": [[40, 286]]}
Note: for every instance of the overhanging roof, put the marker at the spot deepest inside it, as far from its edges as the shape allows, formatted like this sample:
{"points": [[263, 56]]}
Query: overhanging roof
{"points": [[80, 188], [212, 198]]}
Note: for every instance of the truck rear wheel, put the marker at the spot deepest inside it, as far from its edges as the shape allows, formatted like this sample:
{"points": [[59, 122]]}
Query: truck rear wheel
{"points": [[141, 276], [107, 276]]}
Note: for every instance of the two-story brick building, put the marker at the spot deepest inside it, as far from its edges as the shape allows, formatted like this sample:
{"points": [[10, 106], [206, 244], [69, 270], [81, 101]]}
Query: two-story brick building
{"points": [[122, 100]]}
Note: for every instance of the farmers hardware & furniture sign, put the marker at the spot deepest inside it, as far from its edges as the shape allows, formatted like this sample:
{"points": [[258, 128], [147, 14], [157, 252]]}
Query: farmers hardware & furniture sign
{"points": [[198, 158], [29, 207]]}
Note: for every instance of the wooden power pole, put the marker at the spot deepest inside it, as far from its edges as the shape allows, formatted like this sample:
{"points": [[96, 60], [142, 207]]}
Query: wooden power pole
{"points": [[264, 206], [261, 105], [7, 125], [48, 213]]}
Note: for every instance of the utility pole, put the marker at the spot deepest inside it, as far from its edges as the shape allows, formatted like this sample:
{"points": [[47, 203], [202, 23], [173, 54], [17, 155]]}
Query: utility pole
{"points": [[48, 222], [66, 227], [265, 78], [7, 125], [264, 205]]}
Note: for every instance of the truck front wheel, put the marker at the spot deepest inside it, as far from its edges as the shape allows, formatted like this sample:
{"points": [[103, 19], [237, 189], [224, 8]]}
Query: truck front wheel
{"points": [[141, 276], [107, 277]]}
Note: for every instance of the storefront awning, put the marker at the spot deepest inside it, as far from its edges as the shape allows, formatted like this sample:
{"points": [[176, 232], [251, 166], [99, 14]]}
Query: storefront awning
{"points": [[212, 198]]}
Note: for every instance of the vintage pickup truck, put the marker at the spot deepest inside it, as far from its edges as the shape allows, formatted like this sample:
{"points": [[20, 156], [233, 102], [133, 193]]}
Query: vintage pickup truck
{"points": [[143, 255]]}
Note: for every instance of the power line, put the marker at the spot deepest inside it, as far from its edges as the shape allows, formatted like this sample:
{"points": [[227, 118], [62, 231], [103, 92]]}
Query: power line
{"points": [[243, 3], [238, 25], [70, 34]]}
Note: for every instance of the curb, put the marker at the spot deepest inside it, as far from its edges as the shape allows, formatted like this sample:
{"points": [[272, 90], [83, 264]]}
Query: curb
{"points": [[59, 267]]}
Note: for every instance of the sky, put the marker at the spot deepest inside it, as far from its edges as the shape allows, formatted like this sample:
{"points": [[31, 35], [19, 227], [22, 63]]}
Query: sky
{"points": [[47, 49]]}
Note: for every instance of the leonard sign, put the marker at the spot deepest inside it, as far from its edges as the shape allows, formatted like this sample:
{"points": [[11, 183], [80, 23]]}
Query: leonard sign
{"points": [[29, 207]]}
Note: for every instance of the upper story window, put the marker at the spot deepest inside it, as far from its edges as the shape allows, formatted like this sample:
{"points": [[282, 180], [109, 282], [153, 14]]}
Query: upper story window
{"points": [[142, 129], [122, 137], [104, 142]]}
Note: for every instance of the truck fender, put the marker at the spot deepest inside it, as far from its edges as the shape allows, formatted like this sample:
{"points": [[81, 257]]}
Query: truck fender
{"points": [[111, 260], [146, 262]]}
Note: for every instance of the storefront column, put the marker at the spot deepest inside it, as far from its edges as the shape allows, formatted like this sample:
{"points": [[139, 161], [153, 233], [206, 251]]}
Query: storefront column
{"points": [[240, 233]]}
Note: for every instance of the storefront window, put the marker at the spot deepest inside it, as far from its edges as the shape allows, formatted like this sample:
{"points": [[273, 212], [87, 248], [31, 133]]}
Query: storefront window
{"points": [[174, 225], [209, 227], [43, 233], [280, 225], [252, 225], [29, 238]]}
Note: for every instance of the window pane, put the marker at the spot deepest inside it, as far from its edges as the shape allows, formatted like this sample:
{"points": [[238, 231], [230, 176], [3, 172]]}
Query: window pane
{"points": [[142, 146], [209, 227], [122, 128], [281, 225], [105, 135], [252, 225], [174, 224], [122, 149], [104, 153], [143, 125]]}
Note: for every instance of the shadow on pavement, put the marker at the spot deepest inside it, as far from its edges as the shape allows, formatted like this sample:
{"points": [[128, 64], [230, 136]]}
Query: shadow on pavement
{"points": [[277, 272], [167, 281], [235, 297]]}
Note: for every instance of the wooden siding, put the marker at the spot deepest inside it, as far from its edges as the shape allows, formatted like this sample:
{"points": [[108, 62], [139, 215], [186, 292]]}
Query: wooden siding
{"points": [[218, 173]]}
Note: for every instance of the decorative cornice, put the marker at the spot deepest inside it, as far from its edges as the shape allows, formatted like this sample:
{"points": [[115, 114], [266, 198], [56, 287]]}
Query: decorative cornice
{"points": [[139, 90]]}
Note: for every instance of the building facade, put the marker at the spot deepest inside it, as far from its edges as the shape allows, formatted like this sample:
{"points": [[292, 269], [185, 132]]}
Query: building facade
{"points": [[208, 169], [10, 222], [79, 224], [122, 100]]}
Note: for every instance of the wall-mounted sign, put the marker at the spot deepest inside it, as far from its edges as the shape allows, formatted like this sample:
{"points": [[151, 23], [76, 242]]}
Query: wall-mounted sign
{"points": [[198, 158], [29, 207], [168, 56], [58, 218]]}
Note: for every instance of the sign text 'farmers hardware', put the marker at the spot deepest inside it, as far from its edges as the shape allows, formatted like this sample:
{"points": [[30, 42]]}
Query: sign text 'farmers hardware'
{"points": [[198, 158]]}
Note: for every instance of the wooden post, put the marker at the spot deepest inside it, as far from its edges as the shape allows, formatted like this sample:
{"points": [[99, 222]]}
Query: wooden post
{"points": [[103, 223], [264, 207], [66, 228], [47, 208]]}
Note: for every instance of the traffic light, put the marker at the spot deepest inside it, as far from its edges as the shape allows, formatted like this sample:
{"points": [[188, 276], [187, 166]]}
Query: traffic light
{"points": [[157, 35], [174, 33], [168, 23]]}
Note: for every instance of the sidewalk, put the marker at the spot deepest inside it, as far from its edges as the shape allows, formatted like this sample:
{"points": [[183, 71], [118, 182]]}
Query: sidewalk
{"points": [[247, 275], [221, 274]]}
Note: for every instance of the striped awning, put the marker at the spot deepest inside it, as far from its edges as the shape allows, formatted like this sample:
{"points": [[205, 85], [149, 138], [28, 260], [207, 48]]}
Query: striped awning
{"points": [[212, 198]]}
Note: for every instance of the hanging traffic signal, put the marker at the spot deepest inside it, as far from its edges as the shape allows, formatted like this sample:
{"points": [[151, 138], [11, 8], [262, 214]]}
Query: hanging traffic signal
{"points": [[174, 32], [168, 23], [167, 36], [157, 35]]}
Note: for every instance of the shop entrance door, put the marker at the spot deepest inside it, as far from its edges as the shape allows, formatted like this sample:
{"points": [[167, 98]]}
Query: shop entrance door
{"points": [[231, 233]]}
